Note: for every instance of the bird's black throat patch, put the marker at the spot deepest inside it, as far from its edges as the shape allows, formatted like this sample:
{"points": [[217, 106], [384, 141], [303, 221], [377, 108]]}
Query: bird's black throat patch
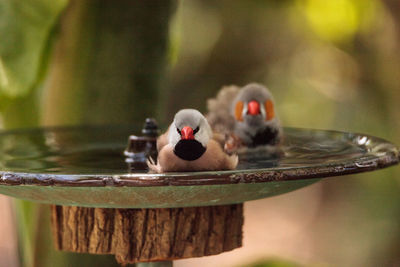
{"points": [[189, 149], [265, 136]]}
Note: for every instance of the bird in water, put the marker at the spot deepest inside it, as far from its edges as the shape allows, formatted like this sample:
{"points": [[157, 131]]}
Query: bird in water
{"points": [[246, 117], [188, 146]]}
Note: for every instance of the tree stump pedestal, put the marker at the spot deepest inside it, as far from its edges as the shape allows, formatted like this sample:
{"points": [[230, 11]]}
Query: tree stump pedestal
{"points": [[145, 235]]}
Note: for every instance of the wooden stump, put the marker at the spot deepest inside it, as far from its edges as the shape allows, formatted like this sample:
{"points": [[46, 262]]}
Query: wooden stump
{"points": [[142, 235]]}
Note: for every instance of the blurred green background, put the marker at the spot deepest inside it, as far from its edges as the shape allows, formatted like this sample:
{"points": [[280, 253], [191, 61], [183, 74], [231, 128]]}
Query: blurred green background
{"points": [[330, 65]]}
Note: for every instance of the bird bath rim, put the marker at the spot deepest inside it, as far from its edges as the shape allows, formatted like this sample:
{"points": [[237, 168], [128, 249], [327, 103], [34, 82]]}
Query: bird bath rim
{"points": [[371, 161], [351, 153]]}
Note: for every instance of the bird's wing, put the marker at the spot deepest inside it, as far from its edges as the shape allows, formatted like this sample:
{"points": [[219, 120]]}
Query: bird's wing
{"points": [[162, 140], [219, 138], [215, 159], [219, 110]]}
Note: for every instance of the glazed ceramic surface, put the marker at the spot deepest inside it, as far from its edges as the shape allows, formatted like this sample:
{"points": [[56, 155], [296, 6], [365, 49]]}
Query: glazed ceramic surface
{"points": [[85, 166]]}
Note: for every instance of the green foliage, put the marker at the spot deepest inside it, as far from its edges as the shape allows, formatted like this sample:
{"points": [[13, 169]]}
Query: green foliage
{"points": [[338, 20], [25, 28], [25, 212], [25, 31], [330, 64], [106, 54], [273, 263]]}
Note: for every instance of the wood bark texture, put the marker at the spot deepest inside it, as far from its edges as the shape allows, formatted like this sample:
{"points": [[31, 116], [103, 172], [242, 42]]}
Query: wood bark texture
{"points": [[142, 235]]}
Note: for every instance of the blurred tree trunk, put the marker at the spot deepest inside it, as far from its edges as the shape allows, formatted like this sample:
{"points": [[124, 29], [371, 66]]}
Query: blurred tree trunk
{"points": [[106, 67], [107, 62]]}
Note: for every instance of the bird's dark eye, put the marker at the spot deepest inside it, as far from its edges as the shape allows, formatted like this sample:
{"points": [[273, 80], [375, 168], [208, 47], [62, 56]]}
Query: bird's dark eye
{"points": [[179, 131], [195, 130]]}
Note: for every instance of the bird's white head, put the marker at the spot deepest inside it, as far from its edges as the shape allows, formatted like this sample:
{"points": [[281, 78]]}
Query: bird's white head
{"points": [[189, 124], [254, 105]]}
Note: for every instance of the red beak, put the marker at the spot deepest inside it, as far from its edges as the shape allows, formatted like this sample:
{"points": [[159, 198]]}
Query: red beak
{"points": [[253, 108], [187, 133]]}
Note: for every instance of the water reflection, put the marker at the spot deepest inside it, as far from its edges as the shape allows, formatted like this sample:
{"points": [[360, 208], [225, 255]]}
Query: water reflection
{"points": [[99, 150]]}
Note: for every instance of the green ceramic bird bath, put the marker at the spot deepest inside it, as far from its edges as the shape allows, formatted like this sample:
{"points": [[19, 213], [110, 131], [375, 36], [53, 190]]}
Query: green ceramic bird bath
{"points": [[105, 203], [85, 166]]}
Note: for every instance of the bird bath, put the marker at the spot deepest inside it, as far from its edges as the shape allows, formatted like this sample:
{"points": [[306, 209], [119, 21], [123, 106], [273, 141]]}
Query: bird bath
{"points": [[85, 167]]}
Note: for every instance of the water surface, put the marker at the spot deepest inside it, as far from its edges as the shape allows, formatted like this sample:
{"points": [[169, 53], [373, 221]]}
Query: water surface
{"points": [[99, 150]]}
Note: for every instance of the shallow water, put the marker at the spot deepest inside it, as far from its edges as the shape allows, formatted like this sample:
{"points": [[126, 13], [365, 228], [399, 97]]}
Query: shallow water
{"points": [[85, 166], [99, 150]]}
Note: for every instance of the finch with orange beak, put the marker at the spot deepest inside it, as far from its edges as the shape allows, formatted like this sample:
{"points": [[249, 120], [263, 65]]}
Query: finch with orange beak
{"points": [[247, 115], [188, 146]]}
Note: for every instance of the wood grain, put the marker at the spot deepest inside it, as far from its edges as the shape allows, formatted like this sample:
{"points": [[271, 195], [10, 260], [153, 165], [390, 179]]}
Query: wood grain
{"points": [[140, 235]]}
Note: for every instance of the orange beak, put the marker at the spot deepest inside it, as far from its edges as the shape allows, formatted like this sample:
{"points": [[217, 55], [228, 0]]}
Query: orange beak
{"points": [[253, 108], [187, 133]]}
